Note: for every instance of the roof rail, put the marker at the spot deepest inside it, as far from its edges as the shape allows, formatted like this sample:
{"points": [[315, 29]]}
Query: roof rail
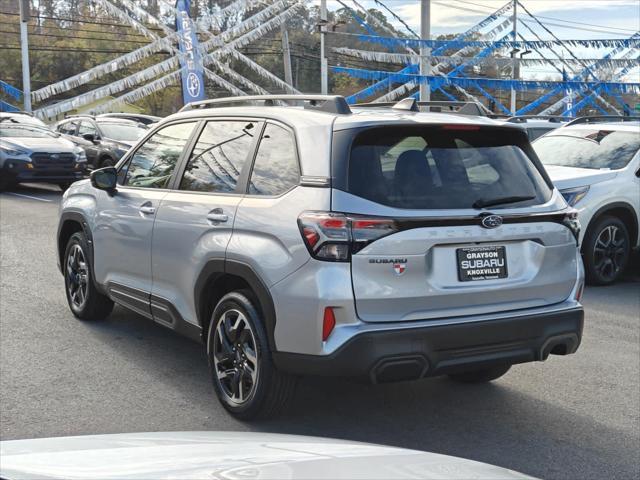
{"points": [[602, 118], [551, 118], [321, 103], [79, 115], [461, 108]]}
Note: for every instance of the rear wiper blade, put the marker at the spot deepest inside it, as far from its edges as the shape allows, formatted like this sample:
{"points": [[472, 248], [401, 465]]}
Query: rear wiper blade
{"points": [[481, 203]]}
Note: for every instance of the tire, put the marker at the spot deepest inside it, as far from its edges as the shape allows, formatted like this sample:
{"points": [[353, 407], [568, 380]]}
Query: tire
{"points": [[481, 376], [606, 250], [244, 377], [84, 299], [107, 162]]}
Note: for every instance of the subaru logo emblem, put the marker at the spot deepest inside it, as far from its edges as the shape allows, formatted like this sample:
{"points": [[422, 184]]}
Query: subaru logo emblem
{"points": [[491, 221], [55, 156], [399, 268], [193, 84]]}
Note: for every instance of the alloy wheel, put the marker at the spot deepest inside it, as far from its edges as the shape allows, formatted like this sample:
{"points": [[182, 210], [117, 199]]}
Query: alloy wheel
{"points": [[235, 357], [609, 252], [77, 276]]}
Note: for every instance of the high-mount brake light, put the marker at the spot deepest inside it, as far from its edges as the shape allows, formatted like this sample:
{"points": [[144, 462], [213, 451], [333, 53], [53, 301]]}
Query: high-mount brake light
{"points": [[461, 127], [335, 236]]}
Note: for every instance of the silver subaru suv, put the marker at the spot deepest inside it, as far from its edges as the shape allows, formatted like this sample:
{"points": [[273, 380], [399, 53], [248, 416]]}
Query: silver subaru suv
{"points": [[296, 235]]}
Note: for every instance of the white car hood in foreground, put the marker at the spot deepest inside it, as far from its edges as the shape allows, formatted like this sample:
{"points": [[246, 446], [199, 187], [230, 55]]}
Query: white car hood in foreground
{"points": [[221, 455], [569, 177]]}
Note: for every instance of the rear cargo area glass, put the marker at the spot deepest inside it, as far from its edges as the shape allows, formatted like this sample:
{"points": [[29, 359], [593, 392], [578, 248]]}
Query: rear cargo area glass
{"points": [[444, 167]]}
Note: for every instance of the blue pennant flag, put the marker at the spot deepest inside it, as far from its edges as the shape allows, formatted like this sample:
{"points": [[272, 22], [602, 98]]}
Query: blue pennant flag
{"points": [[190, 61]]}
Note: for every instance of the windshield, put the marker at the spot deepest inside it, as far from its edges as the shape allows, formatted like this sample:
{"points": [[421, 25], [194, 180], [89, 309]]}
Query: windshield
{"points": [[24, 119], [439, 168], [25, 131], [123, 132], [588, 148]]}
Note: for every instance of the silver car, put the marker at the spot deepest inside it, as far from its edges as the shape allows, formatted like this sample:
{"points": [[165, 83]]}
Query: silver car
{"points": [[381, 243], [30, 153]]}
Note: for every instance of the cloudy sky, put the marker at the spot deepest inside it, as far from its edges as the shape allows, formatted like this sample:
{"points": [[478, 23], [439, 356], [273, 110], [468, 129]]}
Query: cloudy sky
{"points": [[567, 19]]}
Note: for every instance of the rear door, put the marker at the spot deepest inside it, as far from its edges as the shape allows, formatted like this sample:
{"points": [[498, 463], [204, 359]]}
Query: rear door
{"points": [[88, 128], [474, 229], [194, 223]]}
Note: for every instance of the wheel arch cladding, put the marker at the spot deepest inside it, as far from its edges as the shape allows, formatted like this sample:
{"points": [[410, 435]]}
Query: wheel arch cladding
{"points": [[70, 223], [624, 212], [219, 277]]}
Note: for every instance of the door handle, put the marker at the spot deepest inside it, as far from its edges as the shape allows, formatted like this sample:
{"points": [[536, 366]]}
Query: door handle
{"points": [[217, 215], [147, 209]]}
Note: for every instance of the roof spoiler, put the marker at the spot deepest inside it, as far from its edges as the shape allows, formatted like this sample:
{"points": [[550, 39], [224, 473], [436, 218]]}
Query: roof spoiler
{"points": [[412, 105]]}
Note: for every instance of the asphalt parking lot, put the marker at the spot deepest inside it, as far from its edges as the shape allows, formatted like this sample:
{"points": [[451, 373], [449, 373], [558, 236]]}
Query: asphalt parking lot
{"points": [[570, 417]]}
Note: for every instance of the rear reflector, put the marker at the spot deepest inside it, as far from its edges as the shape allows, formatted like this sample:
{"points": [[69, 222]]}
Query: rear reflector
{"points": [[328, 323]]}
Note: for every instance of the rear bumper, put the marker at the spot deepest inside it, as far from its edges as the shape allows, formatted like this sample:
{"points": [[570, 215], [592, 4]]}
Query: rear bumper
{"points": [[405, 354]]}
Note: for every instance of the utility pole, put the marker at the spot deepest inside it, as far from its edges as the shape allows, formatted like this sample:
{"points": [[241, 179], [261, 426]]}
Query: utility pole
{"points": [[425, 53], [286, 55], [324, 69], [514, 51], [24, 46]]}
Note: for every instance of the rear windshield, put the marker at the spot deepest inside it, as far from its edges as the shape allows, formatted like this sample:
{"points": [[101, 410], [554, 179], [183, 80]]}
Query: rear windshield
{"points": [[588, 148], [445, 168]]}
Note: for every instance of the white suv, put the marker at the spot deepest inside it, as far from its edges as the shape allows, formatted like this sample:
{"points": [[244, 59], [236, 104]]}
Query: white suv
{"points": [[596, 166]]}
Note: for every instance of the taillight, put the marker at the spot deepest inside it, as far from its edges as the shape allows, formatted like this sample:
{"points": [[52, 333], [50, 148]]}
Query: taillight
{"points": [[335, 236]]}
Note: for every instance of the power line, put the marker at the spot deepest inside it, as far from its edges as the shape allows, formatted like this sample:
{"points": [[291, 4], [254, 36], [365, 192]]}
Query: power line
{"points": [[101, 32], [625, 30], [71, 37], [90, 22], [67, 49]]}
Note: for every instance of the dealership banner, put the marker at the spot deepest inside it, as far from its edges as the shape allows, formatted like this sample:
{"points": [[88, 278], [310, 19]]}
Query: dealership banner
{"points": [[190, 60]]}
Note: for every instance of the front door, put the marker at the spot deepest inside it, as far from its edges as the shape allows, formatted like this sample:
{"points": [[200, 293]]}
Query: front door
{"points": [[123, 231]]}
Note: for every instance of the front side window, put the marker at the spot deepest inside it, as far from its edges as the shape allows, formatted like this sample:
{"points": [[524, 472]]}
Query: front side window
{"points": [[447, 167], [588, 148], [276, 166], [154, 161], [219, 157]]}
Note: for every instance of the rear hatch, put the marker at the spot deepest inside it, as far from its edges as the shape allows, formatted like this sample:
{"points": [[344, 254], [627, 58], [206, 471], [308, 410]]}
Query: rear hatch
{"points": [[450, 220]]}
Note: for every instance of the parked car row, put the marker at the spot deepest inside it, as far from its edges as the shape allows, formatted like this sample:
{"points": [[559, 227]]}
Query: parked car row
{"points": [[592, 160], [31, 151]]}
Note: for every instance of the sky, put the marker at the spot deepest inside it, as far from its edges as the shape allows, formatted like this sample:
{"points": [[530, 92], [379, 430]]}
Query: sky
{"points": [[567, 19]]}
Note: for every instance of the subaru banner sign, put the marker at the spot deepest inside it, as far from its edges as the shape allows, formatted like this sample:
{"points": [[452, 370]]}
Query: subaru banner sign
{"points": [[191, 61]]}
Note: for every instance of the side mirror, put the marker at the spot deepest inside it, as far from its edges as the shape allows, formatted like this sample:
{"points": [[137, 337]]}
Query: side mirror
{"points": [[89, 136], [105, 179]]}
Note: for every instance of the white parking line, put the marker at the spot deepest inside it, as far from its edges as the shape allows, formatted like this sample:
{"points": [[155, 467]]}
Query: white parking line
{"points": [[28, 196]]}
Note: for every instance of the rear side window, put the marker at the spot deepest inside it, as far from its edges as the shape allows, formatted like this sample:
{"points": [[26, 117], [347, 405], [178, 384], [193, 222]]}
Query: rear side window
{"points": [[444, 168], [86, 128], [219, 156], [276, 166], [68, 128]]}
